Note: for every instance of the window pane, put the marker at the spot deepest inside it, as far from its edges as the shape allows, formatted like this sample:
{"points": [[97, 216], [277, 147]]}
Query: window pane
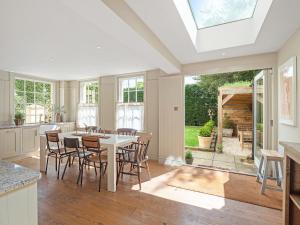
{"points": [[132, 96], [39, 99], [140, 96], [140, 83], [209, 13], [47, 98], [39, 87], [29, 97], [19, 97], [125, 96], [29, 86], [132, 83], [19, 85], [48, 88]]}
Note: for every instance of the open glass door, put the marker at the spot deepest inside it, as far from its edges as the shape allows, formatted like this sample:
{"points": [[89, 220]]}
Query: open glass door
{"points": [[262, 131]]}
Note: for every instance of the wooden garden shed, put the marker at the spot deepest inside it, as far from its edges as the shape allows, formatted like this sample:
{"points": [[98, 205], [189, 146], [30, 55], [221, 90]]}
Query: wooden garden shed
{"points": [[236, 103]]}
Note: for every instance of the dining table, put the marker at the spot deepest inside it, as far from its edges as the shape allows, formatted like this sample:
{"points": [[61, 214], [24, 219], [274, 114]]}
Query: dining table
{"points": [[110, 141]]}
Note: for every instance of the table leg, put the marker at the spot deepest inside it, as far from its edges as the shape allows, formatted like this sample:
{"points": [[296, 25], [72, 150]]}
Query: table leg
{"points": [[111, 168], [43, 153]]}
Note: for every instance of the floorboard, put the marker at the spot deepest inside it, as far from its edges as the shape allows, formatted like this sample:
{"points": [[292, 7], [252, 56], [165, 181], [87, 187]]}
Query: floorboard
{"points": [[65, 203]]}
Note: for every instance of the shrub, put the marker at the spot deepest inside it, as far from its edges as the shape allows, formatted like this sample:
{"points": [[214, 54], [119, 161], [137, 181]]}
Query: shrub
{"points": [[210, 124], [205, 131], [188, 155]]}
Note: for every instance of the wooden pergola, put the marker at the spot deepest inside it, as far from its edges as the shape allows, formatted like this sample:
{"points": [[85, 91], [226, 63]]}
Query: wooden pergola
{"points": [[233, 99]]}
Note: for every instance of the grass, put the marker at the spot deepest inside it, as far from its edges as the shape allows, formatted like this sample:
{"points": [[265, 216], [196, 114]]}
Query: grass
{"points": [[191, 136]]}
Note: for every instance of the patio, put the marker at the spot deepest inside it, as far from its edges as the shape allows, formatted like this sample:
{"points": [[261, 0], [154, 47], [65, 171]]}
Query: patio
{"points": [[233, 158]]}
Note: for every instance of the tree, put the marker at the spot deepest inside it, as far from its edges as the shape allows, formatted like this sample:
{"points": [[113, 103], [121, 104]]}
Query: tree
{"points": [[203, 95]]}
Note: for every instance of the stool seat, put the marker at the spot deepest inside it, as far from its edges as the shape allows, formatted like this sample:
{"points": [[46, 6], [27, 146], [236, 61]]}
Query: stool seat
{"points": [[271, 154], [268, 156]]}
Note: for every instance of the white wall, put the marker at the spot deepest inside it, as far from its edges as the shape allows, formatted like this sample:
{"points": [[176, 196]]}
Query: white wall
{"points": [[171, 119], [5, 96], [290, 49]]}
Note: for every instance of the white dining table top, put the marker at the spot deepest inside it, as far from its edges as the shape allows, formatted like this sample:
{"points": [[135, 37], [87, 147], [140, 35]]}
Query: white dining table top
{"points": [[114, 139]]}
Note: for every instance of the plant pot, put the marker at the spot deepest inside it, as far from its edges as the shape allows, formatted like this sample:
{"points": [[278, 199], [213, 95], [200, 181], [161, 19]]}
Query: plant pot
{"points": [[58, 118], [204, 142], [227, 132], [189, 161], [19, 122]]}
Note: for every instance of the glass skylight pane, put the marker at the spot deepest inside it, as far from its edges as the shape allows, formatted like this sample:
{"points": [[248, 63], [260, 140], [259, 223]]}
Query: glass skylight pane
{"points": [[208, 13]]}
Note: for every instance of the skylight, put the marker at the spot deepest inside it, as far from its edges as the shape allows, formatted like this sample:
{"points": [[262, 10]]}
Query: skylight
{"points": [[208, 13]]}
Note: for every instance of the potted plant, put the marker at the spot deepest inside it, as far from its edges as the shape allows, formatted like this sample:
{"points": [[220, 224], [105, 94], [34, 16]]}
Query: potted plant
{"points": [[58, 113], [189, 158], [204, 137], [228, 126], [19, 118], [219, 148]]}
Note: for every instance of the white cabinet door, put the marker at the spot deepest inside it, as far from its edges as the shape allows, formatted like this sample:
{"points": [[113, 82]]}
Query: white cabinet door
{"points": [[8, 142], [30, 139]]}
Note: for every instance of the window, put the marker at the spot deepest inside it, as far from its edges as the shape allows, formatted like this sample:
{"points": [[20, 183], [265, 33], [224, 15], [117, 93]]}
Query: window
{"points": [[130, 106], [88, 107], [208, 13], [34, 99]]}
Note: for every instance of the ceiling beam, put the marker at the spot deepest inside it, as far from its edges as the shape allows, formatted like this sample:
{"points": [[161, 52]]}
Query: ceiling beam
{"points": [[122, 10]]}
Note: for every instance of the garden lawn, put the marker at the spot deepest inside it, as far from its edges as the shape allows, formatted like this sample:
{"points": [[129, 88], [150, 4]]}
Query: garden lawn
{"points": [[191, 136]]}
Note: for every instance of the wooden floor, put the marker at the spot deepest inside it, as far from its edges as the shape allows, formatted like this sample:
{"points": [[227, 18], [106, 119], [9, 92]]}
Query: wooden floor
{"points": [[62, 202]]}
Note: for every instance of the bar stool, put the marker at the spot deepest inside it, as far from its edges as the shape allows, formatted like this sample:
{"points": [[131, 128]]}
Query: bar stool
{"points": [[268, 156]]}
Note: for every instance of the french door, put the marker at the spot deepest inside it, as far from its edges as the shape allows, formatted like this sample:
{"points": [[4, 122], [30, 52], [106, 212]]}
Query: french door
{"points": [[262, 113]]}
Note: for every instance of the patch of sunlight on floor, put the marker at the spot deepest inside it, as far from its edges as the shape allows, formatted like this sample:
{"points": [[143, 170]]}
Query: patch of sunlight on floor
{"points": [[158, 187], [173, 161]]}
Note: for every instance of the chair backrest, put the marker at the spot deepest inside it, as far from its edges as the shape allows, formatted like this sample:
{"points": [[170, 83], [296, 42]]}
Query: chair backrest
{"points": [[126, 131], [52, 138], [71, 142], [93, 129], [104, 131], [142, 146], [91, 142]]}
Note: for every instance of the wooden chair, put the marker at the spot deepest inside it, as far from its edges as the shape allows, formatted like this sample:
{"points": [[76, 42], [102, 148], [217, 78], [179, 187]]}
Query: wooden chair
{"points": [[98, 159], [126, 131], [105, 131], [135, 156], [268, 156], [80, 153], [56, 150]]}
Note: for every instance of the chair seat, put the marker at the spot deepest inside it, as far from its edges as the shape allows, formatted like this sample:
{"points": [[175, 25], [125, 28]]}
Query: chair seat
{"points": [[61, 151], [95, 158], [97, 150], [271, 154], [82, 155]]}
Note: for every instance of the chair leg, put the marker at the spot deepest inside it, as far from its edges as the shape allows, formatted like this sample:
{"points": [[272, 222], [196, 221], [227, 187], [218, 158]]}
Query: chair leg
{"points": [[95, 168], [100, 177], [55, 162], [119, 172], [105, 167], [58, 169], [259, 169], [47, 164], [82, 172], [68, 162], [80, 168], [265, 176], [73, 160], [139, 176], [148, 170]]}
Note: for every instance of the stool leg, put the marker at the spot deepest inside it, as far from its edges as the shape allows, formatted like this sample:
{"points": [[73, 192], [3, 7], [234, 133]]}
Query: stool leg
{"points": [[277, 173], [281, 169], [259, 169], [265, 176]]}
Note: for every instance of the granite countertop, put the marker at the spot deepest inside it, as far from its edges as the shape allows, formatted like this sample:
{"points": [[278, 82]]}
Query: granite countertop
{"points": [[13, 176]]}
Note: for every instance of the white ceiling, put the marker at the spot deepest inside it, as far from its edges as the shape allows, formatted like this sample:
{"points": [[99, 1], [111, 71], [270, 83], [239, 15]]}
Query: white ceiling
{"points": [[58, 39], [163, 18]]}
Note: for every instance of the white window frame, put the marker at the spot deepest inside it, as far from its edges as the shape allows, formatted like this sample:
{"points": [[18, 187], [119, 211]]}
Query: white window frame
{"points": [[84, 104], [120, 97], [34, 81]]}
